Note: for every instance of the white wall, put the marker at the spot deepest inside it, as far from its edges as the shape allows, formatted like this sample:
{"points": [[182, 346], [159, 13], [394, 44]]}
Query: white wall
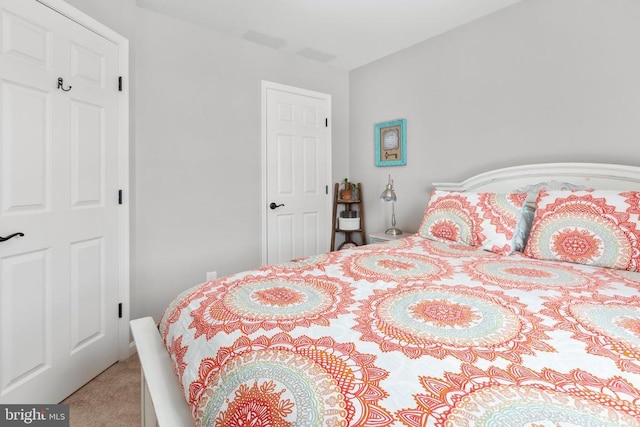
{"points": [[540, 81], [198, 151]]}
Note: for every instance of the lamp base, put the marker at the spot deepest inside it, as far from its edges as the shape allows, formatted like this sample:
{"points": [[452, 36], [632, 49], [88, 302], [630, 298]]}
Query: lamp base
{"points": [[393, 231]]}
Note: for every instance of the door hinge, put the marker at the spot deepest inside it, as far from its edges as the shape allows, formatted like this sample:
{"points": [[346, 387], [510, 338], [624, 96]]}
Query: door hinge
{"points": [[120, 83], [326, 189], [119, 197], [326, 123], [119, 310]]}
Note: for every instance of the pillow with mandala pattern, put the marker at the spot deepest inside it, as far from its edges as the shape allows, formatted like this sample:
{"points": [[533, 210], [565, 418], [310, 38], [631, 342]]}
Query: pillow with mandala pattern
{"points": [[592, 227], [486, 220]]}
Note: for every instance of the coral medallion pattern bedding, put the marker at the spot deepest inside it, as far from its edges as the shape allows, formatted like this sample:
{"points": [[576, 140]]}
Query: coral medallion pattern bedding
{"points": [[413, 332]]}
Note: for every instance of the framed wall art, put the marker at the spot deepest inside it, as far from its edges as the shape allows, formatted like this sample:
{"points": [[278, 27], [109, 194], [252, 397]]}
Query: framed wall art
{"points": [[391, 143]]}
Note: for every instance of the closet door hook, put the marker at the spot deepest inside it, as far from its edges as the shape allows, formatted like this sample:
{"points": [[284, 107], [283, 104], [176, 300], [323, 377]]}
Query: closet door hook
{"points": [[61, 85]]}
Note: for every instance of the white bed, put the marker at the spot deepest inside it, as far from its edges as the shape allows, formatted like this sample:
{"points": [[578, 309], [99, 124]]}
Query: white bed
{"points": [[163, 401]]}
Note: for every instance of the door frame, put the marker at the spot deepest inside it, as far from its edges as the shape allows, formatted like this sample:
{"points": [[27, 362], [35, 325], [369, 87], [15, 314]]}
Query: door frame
{"points": [[125, 348], [266, 85]]}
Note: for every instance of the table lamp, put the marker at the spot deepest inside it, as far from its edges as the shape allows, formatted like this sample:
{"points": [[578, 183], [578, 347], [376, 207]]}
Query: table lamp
{"points": [[389, 196]]}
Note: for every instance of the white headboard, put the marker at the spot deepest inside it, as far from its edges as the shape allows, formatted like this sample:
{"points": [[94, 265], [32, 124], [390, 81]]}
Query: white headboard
{"points": [[600, 176]]}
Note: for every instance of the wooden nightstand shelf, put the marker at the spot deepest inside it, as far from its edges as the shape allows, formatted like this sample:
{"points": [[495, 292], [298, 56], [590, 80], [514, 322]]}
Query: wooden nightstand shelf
{"points": [[349, 205]]}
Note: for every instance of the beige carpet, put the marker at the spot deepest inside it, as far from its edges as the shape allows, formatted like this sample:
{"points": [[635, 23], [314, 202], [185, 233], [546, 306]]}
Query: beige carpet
{"points": [[111, 399]]}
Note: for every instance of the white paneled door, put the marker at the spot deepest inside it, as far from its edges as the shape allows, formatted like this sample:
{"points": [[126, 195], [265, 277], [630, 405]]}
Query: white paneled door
{"points": [[297, 145], [59, 162]]}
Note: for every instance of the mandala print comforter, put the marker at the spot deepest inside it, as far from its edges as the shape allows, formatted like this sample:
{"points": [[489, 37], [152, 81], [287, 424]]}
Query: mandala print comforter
{"points": [[412, 332]]}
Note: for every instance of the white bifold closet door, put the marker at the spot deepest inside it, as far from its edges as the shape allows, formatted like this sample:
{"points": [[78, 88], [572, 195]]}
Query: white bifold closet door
{"points": [[59, 187]]}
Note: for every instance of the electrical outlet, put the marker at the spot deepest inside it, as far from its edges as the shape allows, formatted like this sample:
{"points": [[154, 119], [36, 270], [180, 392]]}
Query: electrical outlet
{"points": [[212, 275]]}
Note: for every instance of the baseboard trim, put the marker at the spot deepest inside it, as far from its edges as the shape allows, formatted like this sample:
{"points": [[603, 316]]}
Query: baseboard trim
{"points": [[132, 348]]}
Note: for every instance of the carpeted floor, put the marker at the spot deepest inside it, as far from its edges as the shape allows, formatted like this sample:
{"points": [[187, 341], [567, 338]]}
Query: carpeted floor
{"points": [[112, 399]]}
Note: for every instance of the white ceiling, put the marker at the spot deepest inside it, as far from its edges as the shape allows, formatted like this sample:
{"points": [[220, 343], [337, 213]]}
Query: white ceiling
{"points": [[343, 33]]}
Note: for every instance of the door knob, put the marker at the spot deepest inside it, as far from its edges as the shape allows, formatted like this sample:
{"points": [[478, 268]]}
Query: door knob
{"points": [[11, 236], [274, 206]]}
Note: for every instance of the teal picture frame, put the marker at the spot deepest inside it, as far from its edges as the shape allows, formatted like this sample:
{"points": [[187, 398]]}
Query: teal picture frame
{"points": [[391, 143]]}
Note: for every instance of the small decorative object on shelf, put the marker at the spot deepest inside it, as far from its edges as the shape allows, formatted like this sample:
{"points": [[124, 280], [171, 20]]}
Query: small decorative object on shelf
{"points": [[347, 245], [350, 219], [349, 192]]}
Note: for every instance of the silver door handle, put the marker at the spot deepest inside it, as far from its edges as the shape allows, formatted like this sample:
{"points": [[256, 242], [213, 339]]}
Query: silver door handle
{"points": [[11, 236]]}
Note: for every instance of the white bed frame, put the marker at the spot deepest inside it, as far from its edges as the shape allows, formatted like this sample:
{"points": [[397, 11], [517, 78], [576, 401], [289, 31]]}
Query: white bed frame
{"points": [[162, 401], [599, 176], [163, 404]]}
